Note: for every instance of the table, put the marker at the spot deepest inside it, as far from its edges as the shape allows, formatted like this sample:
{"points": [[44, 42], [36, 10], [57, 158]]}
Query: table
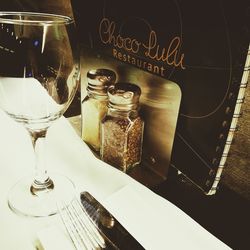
{"points": [[128, 200]]}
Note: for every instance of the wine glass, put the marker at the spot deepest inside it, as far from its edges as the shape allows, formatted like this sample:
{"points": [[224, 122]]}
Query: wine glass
{"points": [[39, 75]]}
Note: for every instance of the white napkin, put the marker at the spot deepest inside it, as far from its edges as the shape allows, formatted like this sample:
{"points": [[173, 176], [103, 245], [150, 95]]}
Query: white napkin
{"points": [[53, 238], [157, 223]]}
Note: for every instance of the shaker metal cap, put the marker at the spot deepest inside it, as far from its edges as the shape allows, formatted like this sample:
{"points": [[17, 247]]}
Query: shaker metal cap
{"points": [[125, 95], [100, 79]]}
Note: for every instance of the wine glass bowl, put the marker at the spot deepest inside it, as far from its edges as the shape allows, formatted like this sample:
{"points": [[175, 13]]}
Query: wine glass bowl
{"points": [[39, 76], [37, 51]]}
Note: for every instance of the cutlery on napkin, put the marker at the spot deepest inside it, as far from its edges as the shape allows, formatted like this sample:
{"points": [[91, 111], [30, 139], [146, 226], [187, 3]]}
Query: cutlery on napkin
{"points": [[115, 235], [137, 218]]}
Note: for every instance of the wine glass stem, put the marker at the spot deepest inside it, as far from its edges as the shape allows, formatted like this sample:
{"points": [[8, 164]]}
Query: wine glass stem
{"points": [[42, 182]]}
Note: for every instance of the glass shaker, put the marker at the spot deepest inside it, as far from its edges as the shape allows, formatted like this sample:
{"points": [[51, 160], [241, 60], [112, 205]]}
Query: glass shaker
{"points": [[94, 105], [122, 127]]}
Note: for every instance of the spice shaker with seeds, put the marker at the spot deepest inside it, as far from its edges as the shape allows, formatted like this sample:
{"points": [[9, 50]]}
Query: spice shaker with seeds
{"points": [[122, 127], [94, 105]]}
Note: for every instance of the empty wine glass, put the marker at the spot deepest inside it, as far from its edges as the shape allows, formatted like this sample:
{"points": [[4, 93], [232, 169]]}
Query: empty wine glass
{"points": [[39, 75]]}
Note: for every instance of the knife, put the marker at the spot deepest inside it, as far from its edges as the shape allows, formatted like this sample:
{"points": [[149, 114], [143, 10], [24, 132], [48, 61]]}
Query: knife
{"points": [[114, 234]]}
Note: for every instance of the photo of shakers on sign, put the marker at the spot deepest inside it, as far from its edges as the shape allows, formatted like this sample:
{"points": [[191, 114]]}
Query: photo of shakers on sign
{"points": [[94, 105], [122, 127]]}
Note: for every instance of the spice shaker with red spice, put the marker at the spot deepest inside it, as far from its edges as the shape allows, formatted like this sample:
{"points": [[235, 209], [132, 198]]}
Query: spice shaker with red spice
{"points": [[122, 127]]}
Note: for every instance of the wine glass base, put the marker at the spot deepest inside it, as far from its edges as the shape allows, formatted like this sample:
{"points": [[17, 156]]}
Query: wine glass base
{"points": [[23, 202]]}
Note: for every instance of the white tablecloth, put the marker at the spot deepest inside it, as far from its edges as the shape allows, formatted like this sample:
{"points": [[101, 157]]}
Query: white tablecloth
{"points": [[152, 220]]}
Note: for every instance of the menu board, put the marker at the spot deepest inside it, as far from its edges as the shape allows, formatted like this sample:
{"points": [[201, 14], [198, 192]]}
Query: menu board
{"points": [[191, 60]]}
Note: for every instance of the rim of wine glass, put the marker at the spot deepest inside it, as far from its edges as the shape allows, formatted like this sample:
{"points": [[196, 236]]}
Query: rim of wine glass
{"points": [[13, 17]]}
